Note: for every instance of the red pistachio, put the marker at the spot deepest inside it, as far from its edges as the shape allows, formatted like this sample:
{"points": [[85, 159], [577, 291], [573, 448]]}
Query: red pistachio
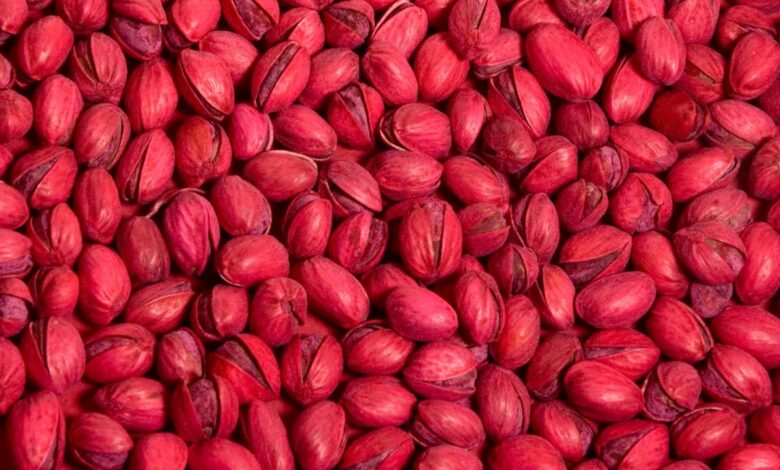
{"points": [[348, 23], [12, 375], [371, 348], [604, 166], [403, 25], [37, 425], [447, 456], [595, 253], [633, 443], [354, 112], [643, 202], [249, 366], [569, 432], [117, 352], [752, 329], [191, 228], [389, 447], [279, 76], [266, 436], [534, 222], [319, 436], [146, 167], [441, 370], [216, 313], [440, 422], [517, 341], [671, 389], [525, 451], [387, 69], [653, 254], [180, 357], [138, 404], [503, 403], [311, 366], [221, 453], [322, 278], [104, 284], [379, 401], [54, 354], [707, 431], [602, 393], [416, 127], [739, 127], [159, 450], [516, 94], [418, 314], [736, 378], [616, 301], [151, 95], [300, 24], [161, 306], [278, 306], [678, 331], [45, 177], [204, 408], [711, 251], [142, 248], [625, 350]]}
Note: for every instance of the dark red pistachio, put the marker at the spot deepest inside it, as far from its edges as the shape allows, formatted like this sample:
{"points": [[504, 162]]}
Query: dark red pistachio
{"points": [[161, 306], [42, 48], [764, 425], [678, 331], [16, 303], [473, 181], [378, 401], [247, 260], [707, 432], [507, 145], [372, 348], [625, 350], [203, 151], [219, 312], [97, 205], [204, 408], [311, 367], [595, 253], [679, 116], [441, 370], [708, 301], [581, 205], [143, 251], [57, 103], [137, 403], [249, 366], [117, 352], [584, 124], [137, 27], [180, 357], [671, 389], [569, 432], [101, 136], [503, 403]]}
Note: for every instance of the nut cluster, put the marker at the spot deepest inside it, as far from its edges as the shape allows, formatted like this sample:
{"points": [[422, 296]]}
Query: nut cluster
{"points": [[390, 234]]}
